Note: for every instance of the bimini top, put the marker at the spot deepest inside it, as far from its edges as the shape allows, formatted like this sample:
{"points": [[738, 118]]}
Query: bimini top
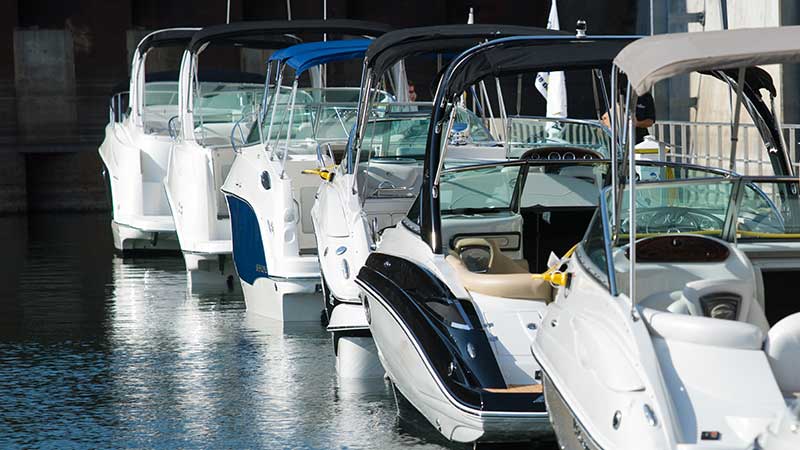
{"points": [[397, 45], [302, 57], [655, 58], [273, 33], [168, 37], [526, 54]]}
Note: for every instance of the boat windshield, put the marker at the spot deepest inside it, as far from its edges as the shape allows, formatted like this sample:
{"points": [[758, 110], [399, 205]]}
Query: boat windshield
{"points": [[160, 105], [526, 133], [479, 190], [319, 115], [768, 209], [225, 102], [761, 208], [400, 130], [161, 93]]}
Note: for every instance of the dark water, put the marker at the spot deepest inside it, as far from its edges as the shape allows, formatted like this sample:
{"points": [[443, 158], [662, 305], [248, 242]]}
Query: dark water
{"points": [[98, 351]]}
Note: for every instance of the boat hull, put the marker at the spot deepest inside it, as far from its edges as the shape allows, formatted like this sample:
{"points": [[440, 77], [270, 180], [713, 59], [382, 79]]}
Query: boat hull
{"points": [[290, 300], [569, 431], [412, 375], [131, 239]]}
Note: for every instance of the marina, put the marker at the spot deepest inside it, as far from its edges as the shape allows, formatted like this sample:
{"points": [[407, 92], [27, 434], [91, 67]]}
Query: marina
{"points": [[342, 233]]}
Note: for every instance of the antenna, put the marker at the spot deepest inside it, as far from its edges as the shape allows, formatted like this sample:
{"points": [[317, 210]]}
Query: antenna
{"points": [[580, 29], [288, 9], [228, 15], [470, 17]]}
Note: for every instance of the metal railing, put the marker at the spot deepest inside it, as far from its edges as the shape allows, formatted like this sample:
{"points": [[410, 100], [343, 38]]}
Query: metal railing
{"points": [[709, 144]]}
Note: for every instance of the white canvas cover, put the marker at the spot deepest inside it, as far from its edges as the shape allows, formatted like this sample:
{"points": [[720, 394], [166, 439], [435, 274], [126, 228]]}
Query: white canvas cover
{"points": [[654, 58]]}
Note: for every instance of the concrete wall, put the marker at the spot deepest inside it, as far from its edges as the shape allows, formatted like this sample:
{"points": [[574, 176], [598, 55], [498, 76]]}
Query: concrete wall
{"points": [[67, 55]]}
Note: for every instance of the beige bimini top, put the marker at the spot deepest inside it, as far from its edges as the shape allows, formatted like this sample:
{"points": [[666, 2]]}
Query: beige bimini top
{"points": [[654, 58]]}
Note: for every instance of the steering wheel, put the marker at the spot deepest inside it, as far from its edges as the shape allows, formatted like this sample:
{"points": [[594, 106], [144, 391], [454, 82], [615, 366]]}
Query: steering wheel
{"points": [[677, 219]]}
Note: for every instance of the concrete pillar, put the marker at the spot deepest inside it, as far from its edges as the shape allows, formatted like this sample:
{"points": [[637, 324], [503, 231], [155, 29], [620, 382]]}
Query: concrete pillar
{"points": [[44, 66]]}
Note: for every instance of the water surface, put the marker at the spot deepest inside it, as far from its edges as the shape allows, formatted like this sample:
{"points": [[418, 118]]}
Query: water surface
{"points": [[100, 351]]}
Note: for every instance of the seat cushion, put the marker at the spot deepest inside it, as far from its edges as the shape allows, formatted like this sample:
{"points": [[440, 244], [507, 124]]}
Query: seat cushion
{"points": [[783, 351], [703, 330], [507, 285]]}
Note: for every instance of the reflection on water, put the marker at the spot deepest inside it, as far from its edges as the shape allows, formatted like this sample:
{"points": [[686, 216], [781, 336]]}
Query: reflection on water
{"points": [[97, 351]]}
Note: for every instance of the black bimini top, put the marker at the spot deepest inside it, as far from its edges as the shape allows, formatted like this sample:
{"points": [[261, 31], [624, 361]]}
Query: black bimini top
{"points": [[170, 37], [273, 34], [529, 54], [397, 45]]}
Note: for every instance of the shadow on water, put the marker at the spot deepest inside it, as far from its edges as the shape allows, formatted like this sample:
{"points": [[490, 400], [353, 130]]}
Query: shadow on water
{"points": [[101, 351]]}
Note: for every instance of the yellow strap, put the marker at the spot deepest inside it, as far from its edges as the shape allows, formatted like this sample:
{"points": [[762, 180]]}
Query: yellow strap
{"points": [[769, 235], [552, 275]]}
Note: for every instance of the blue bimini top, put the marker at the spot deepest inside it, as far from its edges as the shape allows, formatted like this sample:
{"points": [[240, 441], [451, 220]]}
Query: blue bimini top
{"points": [[302, 57]]}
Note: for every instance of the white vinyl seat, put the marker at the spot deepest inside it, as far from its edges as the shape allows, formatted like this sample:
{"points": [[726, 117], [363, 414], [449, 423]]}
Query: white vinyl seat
{"points": [[703, 330], [783, 351], [499, 275], [687, 301]]}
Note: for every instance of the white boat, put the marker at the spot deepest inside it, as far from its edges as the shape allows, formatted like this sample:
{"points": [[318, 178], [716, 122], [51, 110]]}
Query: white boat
{"points": [[674, 326], [268, 195], [455, 292], [136, 148], [380, 177], [201, 154]]}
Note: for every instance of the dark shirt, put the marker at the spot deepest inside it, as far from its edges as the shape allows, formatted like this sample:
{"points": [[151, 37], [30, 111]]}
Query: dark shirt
{"points": [[645, 109]]}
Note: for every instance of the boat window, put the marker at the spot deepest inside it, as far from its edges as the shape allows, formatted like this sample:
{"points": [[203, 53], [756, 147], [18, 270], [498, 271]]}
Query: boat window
{"points": [[593, 248], [160, 105], [319, 115], [769, 210], [161, 93], [218, 106], [396, 130], [479, 190], [526, 133], [685, 206]]}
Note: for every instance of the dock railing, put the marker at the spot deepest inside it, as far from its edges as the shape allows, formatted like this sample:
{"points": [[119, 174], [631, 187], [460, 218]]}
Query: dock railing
{"points": [[709, 144]]}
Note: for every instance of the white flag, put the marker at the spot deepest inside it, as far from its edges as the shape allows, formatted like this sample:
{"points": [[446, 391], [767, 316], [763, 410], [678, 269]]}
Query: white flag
{"points": [[552, 85]]}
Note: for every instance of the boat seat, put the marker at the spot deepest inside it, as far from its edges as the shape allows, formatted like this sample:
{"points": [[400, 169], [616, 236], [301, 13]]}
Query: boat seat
{"points": [[703, 330], [782, 347], [483, 268], [688, 300]]}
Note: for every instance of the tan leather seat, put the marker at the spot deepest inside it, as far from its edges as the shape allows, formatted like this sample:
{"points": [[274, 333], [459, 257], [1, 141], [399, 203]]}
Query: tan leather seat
{"points": [[504, 277]]}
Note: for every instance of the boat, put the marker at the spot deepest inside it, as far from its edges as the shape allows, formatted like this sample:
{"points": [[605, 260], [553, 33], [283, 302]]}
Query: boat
{"points": [[671, 327], [201, 154], [455, 292], [381, 174], [269, 197], [136, 148]]}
